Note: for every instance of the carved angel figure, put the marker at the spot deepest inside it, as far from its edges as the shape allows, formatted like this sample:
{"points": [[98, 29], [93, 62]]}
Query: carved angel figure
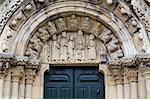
{"points": [[64, 46], [79, 46], [91, 48], [55, 48]]}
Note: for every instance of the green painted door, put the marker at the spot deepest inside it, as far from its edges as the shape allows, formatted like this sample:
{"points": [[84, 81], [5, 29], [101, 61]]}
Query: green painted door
{"points": [[74, 83]]}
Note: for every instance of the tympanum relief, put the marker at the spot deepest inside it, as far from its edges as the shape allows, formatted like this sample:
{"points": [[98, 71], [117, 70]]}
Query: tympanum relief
{"points": [[72, 39], [73, 47]]}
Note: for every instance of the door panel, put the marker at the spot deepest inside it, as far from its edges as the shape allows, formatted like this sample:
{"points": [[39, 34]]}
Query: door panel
{"points": [[59, 84], [89, 84], [74, 83]]}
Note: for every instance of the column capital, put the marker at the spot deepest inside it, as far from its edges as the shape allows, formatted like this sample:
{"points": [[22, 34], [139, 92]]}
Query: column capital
{"points": [[132, 74], [3, 68], [117, 75], [17, 73], [30, 75]]}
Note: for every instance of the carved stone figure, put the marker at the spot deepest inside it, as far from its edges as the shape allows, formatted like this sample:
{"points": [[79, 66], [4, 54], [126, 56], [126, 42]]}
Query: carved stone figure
{"points": [[36, 43], [96, 28], [86, 24], [73, 23], [61, 24], [71, 48], [63, 47], [55, 48], [31, 53], [80, 46], [51, 27], [91, 48], [43, 34]]}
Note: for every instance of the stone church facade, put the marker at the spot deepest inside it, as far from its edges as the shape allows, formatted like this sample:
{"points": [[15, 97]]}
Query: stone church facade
{"points": [[74, 49]]}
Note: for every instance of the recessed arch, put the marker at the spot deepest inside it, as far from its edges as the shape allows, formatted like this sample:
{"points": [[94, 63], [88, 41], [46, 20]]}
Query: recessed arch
{"points": [[32, 23]]}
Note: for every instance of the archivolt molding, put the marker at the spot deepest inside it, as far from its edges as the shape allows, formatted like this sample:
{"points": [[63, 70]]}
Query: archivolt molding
{"points": [[116, 15]]}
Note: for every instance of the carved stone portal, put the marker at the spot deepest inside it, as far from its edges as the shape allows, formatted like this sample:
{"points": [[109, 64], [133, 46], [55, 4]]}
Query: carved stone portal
{"points": [[73, 38]]}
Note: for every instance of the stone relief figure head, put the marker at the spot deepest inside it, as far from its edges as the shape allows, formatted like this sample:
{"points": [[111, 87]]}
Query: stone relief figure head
{"points": [[80, 32], [40, 30], [91, 37], [64, 34], [49, 24], [73, 16], [71, 38], [60, 20], [87, 18], [54, 37]]}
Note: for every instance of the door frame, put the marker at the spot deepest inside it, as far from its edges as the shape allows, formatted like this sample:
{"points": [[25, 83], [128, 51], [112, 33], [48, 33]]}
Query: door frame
{"points": [[102, 68]]}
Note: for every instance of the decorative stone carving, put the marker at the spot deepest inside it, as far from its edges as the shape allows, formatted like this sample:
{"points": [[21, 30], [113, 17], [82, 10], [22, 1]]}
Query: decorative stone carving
{"points": [[55, 49], [30, 75], [73, 23], [61, 24], [86, 24], [36, 43], [7, 40], [19, 18], [17, 73], [91, 48], [96, 28], [63, 47], [43, 34], [106, 35], [71, 47], [74, 43], [138, 41], [51, 28], [112, 46], [132, 74], [139, 8], [124, 9], [6, 13], [80, 46]]}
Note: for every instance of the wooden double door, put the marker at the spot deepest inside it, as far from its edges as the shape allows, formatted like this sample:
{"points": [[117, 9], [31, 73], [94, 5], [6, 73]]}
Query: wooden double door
{"points": [[74, 83]]}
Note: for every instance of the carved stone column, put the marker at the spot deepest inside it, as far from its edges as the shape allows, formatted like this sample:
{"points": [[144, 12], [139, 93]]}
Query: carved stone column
{"points": [[17, 73], [3, 68], [112, 88], [119, 82], [126, 85], [2, 75], [146, 73], [114, 67], [30, 75], [141, 85], [132, 76]]}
